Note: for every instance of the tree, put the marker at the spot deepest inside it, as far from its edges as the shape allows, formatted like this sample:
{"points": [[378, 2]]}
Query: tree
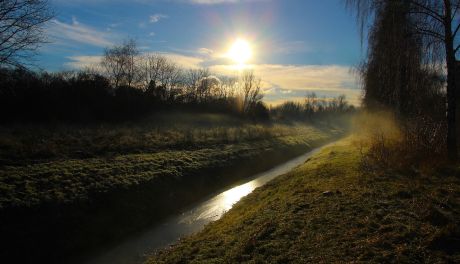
{"points": [[437, 24], [250, 86], [120, 63], [21, 29], [193, 84], [131, 53], [151, 66]]}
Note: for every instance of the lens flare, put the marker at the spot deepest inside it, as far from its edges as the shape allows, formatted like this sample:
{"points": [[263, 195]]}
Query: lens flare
{"points": [[240, 52]]}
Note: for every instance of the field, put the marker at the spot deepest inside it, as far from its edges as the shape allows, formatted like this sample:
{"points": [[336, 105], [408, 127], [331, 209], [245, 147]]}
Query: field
{"points": [[330, 211], [66, 163], [91, 180]]}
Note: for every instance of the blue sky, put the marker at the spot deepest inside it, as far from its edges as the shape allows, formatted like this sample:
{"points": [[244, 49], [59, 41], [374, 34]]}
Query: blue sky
{"points": [[299, 46]]}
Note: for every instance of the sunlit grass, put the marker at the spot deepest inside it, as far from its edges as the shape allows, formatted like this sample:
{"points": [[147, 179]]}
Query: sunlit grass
{"points": [[329, 211], [67, 163], [22, 143]]}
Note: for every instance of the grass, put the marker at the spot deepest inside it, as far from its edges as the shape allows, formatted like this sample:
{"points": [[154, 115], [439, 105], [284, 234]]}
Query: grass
{"points": [[68, 190], [25, 144], [125, 156], [330, 211]]}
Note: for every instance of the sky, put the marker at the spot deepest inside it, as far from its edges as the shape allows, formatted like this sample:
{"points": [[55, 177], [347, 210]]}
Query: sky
{"points": [[298, 46]]}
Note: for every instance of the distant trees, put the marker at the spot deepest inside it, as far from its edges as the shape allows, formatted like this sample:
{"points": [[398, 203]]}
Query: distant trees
{"points": [[21, 29], [251, 90], [313, 108], [129, 87], [410, 42], [193, 84], [120, 63]]}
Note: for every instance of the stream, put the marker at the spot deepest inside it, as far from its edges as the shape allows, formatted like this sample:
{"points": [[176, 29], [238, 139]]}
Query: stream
{"points": [[191, 220]]}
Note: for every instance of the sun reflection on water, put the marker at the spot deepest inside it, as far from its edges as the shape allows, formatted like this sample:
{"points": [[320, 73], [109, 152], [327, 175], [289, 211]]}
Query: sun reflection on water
{"points": [[232, 196]]}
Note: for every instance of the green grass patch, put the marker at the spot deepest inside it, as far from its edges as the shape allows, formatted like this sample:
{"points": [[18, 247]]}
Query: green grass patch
{"points": [[64, 180], [330, 211]]}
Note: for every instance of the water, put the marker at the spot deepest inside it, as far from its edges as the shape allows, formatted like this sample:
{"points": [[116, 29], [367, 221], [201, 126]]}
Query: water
{"points": [[135, 250]]}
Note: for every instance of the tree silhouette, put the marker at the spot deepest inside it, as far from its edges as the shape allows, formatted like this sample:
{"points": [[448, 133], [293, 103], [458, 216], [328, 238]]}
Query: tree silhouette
{"points": [[21, 29], [437, 24], [120, 63]]}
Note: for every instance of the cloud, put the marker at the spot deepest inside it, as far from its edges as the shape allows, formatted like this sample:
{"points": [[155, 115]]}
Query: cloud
{"points": [[282, 82], [279, 82], [276, 95], [81, 62], [189, 62], [64, 33], [157, 17], [205, 51], [300, 76]]}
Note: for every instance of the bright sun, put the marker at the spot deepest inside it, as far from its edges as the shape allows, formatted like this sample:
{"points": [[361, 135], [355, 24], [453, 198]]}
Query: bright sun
{"points": [[240, 51]]}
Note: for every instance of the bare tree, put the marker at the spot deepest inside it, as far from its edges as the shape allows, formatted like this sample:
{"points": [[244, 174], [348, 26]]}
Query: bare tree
{"points": [[131, 54], [150, 68], [158, 72], [113, 63], [250, 86], [21, 29], [228, 86], [193, 84], [311, 104], [120, 63]]}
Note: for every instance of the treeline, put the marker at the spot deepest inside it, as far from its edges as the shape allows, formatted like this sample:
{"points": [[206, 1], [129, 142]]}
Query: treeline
{"points": [[312, 108], [125, 86], [90, 96]]}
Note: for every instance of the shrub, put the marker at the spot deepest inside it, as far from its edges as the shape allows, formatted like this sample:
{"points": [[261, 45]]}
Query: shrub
{"points": [[388, 143]]}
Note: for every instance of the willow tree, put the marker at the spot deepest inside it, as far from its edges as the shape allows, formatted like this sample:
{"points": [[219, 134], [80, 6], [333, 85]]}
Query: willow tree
{"points": [[437, 25]]}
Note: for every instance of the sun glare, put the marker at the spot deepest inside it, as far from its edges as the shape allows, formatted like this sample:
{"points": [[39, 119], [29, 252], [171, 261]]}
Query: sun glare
{"points": [[240, 52]]}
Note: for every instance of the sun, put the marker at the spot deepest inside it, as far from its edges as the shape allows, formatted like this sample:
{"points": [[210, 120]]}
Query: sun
{"points": [[240, 52]]}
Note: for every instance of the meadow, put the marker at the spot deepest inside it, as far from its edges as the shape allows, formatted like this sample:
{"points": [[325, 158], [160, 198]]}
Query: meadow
{"points": [[91, 180], [66, 162]]}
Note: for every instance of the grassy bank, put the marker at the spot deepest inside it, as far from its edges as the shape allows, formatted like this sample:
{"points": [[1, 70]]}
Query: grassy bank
{"points": [[330, 211], [65, 163], [95, 185]]}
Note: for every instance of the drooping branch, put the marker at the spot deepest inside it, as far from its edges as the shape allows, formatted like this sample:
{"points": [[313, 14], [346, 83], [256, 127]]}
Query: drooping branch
{"points": [[431, 33], [430, 12]]}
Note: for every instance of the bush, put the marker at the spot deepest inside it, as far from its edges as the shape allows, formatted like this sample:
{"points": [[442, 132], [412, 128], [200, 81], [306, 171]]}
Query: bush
{"points": [[390, 144]]}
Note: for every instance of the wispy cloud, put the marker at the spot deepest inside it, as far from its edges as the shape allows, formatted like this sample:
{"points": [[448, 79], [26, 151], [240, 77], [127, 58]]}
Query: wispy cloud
{"points": [[157, 17], [330, 77], [276, 95], [280, 82], [82, 62], [64, 33]]}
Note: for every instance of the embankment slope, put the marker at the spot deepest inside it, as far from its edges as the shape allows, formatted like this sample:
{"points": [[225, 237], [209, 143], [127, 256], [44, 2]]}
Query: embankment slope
{"points": [[330, 211]]}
